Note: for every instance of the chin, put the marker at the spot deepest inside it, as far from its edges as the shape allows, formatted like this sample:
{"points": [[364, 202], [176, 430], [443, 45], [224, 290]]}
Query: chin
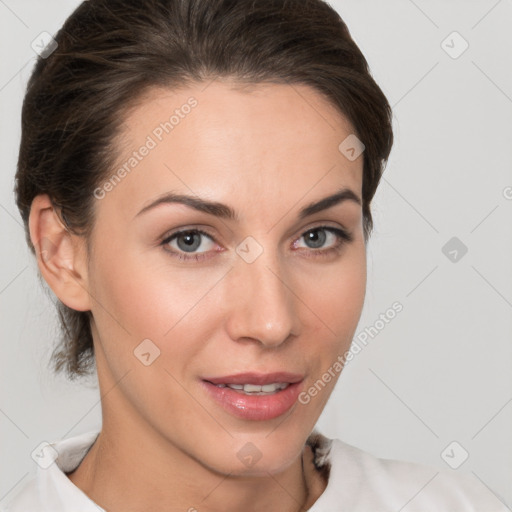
{"points": [[253, 455]]}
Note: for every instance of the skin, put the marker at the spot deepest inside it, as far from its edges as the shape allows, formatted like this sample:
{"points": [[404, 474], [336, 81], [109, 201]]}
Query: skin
{"points": [[266, 151]]}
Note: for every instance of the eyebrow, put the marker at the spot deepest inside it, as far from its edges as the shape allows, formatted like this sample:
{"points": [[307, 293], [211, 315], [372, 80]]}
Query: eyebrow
{"points": [[226, 212]]}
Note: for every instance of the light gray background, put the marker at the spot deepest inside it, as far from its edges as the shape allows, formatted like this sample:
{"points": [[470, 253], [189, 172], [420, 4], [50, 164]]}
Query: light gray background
{"points": [[440, 371]]}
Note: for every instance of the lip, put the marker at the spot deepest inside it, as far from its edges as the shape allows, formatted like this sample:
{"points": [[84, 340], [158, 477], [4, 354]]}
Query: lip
{"points": [[256, 378], [255, 407]]}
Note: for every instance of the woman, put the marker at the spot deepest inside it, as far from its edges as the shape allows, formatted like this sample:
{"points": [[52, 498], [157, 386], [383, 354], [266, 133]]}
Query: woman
{"points": [[195, 177]]}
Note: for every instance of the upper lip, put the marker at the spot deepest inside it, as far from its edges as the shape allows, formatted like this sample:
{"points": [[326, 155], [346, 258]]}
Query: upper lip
{"points": [[257, 378]]}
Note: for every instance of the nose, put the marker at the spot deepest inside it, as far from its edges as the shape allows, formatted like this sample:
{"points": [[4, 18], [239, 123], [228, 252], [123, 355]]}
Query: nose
{"points": [[261, 303]]}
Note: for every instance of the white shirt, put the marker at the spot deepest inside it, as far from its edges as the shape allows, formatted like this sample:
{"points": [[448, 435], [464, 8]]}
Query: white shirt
{"points": [[357, 482]]}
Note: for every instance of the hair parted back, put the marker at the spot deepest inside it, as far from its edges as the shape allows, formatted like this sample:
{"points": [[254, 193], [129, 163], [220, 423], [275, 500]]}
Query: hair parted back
{"points": [[110, 52]]}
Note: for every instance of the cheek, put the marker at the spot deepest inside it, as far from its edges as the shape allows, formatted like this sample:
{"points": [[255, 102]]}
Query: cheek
{"points": [[137, 300], [337, 301], [336, 296]]}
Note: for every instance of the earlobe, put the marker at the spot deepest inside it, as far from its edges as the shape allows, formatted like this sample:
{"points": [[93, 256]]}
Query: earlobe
{"points": [[60, 255]]}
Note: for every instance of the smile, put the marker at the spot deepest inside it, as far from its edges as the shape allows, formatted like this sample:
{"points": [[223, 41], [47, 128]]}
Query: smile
{"points": [[254, 396], [255, 389]]}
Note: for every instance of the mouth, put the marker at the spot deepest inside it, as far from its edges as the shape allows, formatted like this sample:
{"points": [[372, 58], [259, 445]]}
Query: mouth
{"points": [[257, 379], [255, 389], [254, 396]]}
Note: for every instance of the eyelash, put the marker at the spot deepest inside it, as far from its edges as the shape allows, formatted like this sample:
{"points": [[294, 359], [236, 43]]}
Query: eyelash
{"points": [[343, 237]]}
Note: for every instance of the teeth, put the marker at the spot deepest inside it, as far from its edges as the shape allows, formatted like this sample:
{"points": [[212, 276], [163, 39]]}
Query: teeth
{"points": [[255, 388], [269, 388]]}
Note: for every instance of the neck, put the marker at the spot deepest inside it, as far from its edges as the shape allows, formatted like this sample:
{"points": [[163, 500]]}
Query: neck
{"points": [[136, 469], [120, 473]]}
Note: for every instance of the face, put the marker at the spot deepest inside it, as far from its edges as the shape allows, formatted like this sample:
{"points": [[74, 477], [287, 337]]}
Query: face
{"points": [[210, 269]]}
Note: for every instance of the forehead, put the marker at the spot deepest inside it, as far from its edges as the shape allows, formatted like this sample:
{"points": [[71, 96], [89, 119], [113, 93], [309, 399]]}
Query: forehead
{"points": [[230, 142]]}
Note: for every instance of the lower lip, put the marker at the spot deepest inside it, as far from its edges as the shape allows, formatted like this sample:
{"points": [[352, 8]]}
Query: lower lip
{"points": [[254, 407]]}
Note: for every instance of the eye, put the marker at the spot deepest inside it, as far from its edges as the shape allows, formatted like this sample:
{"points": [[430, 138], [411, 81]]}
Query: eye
{"points": [[189, 244], [196, 244], [324, 239]]}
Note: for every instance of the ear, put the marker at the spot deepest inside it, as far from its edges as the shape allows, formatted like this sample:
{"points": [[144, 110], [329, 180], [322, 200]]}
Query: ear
{"points": [[61, 255]]}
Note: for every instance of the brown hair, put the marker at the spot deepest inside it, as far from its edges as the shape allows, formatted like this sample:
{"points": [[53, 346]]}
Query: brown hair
{"points": [[112, 51]]}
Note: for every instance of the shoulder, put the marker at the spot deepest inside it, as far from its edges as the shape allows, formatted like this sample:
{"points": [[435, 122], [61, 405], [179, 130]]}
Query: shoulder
{"points": [[358, 481], [25, 500], [50, 488]]}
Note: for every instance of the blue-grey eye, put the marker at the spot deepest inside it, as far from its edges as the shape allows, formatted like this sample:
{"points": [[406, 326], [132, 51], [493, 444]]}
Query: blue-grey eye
{"points": [[323, 237], [191, 241], [316, 238]]}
